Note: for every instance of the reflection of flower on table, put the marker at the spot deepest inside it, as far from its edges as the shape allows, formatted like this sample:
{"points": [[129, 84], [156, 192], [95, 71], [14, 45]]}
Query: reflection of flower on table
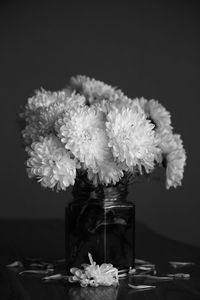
{"points": [[90, 293]]}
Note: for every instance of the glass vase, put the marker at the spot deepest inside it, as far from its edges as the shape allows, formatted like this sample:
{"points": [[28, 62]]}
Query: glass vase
{"points": [[100, 221]]}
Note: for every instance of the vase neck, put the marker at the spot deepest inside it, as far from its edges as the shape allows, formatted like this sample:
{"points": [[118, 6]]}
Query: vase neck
{"points": [[109, 193], [103, 193]]}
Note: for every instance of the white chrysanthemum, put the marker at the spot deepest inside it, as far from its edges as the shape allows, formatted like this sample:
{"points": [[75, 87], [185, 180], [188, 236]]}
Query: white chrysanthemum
{"points": [[168, 142], [42, 121], [83, 133], [175, 156], [44, 98], [95, 90], [175, 167], [132, 138], [106, 106], [107, 173], [51, 164], [157, 113]]}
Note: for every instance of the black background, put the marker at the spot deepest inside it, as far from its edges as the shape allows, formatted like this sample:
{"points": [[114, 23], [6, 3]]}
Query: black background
{"points": [[146, 48]]}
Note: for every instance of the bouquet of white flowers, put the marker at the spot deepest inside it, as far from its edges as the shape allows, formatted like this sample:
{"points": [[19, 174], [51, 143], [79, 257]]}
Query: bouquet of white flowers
{"points": [[93, 127]]}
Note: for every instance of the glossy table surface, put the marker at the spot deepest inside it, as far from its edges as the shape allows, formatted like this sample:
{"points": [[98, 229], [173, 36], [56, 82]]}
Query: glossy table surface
{"points": [[45, 240]]}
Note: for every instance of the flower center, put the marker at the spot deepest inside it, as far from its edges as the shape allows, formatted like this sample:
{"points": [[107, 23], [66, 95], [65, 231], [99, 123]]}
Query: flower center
{"points": [[52, 162], [124, 136], [86, 136]]}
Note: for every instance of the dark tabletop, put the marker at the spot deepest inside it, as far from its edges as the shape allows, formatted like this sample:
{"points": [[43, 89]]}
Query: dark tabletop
{"points": [[24, 240]]}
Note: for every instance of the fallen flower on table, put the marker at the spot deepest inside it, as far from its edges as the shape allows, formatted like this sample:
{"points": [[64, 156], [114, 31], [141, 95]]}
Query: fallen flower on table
{"points": [[95, 275]]}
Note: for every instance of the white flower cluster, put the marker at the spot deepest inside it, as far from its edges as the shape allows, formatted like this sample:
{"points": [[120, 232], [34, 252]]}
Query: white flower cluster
{"points": [[94, 127], [95, 275]]}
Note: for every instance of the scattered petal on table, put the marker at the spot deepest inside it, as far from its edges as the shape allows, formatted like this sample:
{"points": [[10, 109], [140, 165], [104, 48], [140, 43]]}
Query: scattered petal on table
{"points": [[149, 265], [179, 276], [15, 264], [35, 272], [123, 275], [152, 277], [41, 266], [36, 265], [140, 261], [180, 264], [142, 287], [132, 271], [144, 268], [55, 277]]}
